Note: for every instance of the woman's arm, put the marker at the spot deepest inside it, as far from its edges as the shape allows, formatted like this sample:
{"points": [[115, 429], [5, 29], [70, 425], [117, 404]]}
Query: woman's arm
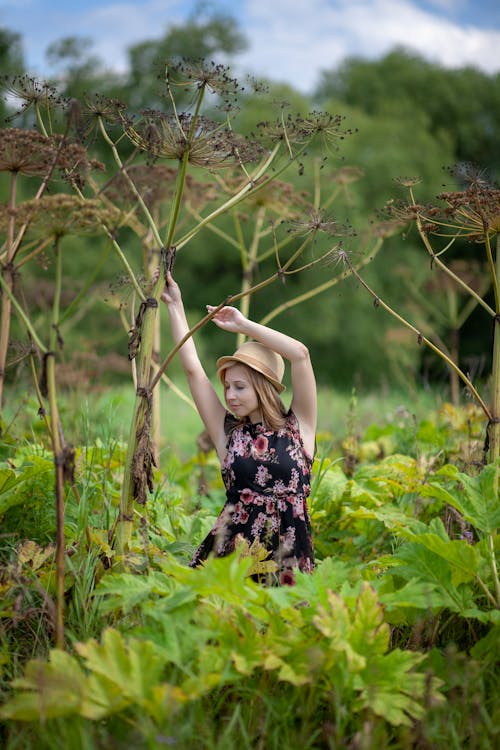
{"points": [[304, 398], [208, 404]]}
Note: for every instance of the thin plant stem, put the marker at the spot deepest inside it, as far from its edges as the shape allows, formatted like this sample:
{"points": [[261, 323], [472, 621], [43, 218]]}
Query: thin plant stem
{"points": [[449, 272], [494, 432], [317, 289], [494, 570], [57, 447], [421, 338], [130, 182], [7, 279]]}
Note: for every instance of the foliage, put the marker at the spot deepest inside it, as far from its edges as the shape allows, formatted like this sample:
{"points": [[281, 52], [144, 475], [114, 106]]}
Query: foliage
{"points": [[369, 645]]}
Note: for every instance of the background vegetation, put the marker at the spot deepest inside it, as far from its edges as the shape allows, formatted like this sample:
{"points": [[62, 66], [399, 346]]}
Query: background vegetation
{"points": [[393, 641]]}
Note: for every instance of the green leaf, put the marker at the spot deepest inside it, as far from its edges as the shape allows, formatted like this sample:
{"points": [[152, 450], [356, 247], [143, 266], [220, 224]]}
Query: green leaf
{"points": [[462, 557], [418, 562], [47, 689], [15, 485], [124, 591], [476, 498], [369, 634], [133, 666]]}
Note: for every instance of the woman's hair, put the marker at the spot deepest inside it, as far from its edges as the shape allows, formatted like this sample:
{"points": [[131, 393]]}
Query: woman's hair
{"points": [[270, 403]]}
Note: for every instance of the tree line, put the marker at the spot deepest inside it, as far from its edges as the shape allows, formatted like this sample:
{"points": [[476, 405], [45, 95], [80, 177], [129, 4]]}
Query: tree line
{"points": [[407, 117]]}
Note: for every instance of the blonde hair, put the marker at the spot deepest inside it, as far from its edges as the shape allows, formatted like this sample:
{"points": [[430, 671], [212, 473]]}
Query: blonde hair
{"points": [[269, 401]]}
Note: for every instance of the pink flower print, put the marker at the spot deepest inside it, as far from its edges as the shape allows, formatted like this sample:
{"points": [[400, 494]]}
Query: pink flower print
{"points": [[288, 540], [262, 476], [298, 506], [247, 496], [259, 447], [240, 515], [287, 578], [294, 481], [259, 524], [270, 506]]}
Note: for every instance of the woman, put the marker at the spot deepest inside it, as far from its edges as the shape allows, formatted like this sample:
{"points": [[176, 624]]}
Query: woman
{"points": [[265, 451]]}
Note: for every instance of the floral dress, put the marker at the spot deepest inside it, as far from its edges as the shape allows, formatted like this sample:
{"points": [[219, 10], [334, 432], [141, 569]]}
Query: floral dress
{"points": [[267, 475]]}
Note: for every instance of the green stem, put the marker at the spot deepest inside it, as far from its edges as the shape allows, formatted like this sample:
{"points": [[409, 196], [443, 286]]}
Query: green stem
{"points": [[7, 279], [130, 183], [22, 314], [495, 376], [421, 338], [494, 570], [317, 289], [57, 447], [493, 271], [449, 272]]}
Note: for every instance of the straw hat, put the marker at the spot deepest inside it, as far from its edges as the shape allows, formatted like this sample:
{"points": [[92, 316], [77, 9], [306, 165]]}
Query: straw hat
{"points": [[259, 358]]}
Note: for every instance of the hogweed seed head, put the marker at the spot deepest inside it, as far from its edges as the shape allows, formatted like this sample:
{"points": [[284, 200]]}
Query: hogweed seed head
{"points": [[206, 143], [30, 153], [31, 92], [61, 215]]}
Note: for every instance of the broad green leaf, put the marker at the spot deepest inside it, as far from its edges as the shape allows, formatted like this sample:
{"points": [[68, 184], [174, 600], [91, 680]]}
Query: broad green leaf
{"points": [[394, 690], [334, 622], [124, 591], [47, 689], [415, 594], [134, 666], [418, 562], [462, 557], [476, 498], [15, 484], [369, 634]]}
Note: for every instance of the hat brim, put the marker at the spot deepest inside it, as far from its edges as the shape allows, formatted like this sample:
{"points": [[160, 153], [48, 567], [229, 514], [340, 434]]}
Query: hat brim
{"points": [[224, 362]]}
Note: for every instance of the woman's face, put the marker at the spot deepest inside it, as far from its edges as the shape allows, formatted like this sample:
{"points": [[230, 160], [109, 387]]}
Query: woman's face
{"points": [[240, 395]]}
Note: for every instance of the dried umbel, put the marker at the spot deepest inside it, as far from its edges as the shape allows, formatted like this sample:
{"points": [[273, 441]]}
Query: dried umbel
{"points": [[60, 215], [96, 109], [30, 153], [320, 126], [200, 73], [31, 93], [472, 213], [205, 142], [316, 222]]}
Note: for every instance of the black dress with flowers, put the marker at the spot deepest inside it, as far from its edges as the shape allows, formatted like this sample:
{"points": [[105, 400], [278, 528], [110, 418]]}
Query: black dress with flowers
{"points": [[267, 475]]}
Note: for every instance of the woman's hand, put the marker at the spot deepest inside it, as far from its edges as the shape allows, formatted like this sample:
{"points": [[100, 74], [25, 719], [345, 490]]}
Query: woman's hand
{"points": [[229, 319], [171, 293]]}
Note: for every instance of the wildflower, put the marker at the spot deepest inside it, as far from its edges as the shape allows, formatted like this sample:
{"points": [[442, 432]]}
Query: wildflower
{"points": [[287, 578]]}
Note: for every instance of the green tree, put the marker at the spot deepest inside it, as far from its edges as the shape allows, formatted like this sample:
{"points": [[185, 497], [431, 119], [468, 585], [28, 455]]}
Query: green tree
{"points": [[463, 103], [207, 34]]}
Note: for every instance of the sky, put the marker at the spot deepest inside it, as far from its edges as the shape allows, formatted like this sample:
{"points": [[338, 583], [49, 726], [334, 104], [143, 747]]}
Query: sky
{"points": [[289, 40]]}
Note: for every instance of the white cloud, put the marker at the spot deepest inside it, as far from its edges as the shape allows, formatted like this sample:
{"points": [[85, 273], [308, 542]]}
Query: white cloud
{"points": [[294, 42], [290, 40]]}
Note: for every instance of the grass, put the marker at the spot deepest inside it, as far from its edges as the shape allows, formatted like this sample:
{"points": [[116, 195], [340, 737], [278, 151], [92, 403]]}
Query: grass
{"points": [[91, 416]]}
